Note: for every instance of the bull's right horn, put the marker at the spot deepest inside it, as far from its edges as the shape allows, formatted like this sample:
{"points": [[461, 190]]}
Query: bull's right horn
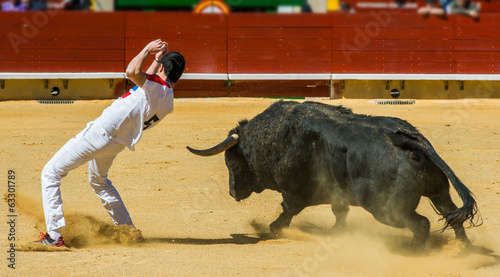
{"points": [[219, 148]]}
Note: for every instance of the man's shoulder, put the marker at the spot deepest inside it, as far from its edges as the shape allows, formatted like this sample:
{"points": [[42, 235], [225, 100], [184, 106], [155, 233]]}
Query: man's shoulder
{"points": [[157, 79]]}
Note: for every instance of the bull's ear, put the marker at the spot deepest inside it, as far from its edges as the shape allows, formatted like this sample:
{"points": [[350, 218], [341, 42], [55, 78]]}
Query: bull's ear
{"points": [[243, 122]]}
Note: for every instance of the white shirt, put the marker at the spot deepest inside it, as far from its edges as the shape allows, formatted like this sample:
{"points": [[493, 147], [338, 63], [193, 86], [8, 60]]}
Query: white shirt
{"points": [[137, 110]]}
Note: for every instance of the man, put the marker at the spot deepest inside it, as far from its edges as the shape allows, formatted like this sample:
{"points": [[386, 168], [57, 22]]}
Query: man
{"points": [[14, 6], [432, 8], [466, 7], [120, 125]]}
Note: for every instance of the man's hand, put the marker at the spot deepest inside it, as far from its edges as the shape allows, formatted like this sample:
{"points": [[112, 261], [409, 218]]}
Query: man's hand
{"points": [[134, 69], [156, 46], [155, 66], [162, 53]]}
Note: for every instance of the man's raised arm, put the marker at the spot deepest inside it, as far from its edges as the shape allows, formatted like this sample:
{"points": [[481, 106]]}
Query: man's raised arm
{"points": [[155, 65], [134, 68]]}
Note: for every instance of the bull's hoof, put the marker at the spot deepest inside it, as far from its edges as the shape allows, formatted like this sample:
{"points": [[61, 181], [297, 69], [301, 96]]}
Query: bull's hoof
{"points": [[276, 230], [338, 229], [416, 246], [464, 240], [466, 244]]}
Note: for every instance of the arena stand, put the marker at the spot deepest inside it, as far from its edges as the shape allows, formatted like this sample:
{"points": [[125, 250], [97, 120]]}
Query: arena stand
{"points": [[411, 6], [362, 55]]}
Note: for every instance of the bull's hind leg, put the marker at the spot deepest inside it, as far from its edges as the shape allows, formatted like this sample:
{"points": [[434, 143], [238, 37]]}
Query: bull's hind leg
{"points": [[418, 224], [291, 207], [444, 205], [340, 210]]}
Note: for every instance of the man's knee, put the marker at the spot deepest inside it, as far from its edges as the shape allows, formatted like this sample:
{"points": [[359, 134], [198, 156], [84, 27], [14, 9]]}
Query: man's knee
{"points": [[49, 174], [98, 182], [46, 170]]}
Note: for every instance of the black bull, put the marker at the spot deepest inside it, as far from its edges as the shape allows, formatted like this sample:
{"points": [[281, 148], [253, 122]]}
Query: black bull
{"points": [[313, 153]]}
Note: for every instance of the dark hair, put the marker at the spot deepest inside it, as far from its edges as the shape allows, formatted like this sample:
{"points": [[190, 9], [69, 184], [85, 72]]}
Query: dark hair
{"points": [[174, 64]]}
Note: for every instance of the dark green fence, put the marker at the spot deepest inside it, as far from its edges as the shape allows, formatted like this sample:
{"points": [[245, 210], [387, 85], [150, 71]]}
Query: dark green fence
{"points": [[236, 5]]}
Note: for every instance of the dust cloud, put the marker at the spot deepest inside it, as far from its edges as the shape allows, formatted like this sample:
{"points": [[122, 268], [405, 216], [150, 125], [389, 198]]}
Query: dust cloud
{"points": [[81, 229], [373, 249]]}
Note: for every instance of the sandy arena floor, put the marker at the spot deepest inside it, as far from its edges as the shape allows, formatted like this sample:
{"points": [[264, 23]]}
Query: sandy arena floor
{"points": [[194, 228]]}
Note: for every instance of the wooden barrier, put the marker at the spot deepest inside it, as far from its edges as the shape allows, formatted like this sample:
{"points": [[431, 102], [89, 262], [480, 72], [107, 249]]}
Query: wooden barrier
{"points": [[62, 42], [280, 88], [382, 41], [279, 44], [201, 39], [376, 42], [274, 43], [488, 6]]}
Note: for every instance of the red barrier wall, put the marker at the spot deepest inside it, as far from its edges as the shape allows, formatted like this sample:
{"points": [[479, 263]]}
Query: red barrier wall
{"points": [[375, 42], [62, 42], [201, 39], [382, 42], [274, 43]]}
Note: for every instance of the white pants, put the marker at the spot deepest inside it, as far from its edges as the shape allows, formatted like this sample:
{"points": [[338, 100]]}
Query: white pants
{"points": [[91, 145]]}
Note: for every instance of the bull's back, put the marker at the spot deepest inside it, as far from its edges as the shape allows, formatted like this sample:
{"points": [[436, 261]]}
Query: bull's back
{"points": [[312, 146]]}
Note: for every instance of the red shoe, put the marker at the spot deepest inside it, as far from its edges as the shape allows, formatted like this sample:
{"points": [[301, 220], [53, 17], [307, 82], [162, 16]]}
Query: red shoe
{"points": [[45, 239]]}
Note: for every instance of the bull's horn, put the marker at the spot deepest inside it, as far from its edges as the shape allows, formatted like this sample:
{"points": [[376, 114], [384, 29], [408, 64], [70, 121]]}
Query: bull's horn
{"points": [[219, 148]]}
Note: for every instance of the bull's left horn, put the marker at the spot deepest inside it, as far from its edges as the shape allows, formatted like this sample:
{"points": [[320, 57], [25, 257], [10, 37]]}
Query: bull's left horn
{"points": [[219, 148]]}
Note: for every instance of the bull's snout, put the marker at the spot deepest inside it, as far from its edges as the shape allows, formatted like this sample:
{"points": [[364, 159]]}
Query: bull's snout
{"points": [[232, 192]]}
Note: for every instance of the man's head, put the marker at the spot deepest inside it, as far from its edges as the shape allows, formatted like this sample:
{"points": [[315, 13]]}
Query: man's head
{"points": [[173, 65]]}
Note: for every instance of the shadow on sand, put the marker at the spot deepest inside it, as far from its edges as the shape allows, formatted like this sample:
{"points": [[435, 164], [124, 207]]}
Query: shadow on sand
{"points": [[235, 239]]}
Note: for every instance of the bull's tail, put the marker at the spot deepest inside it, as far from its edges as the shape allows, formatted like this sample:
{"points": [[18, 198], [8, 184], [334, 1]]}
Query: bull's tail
{"points": [[469, 211]]}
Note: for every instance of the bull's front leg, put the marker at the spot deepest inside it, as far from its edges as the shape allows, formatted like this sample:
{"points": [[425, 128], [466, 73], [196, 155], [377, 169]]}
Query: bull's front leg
{"points": [[291, 207]]}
